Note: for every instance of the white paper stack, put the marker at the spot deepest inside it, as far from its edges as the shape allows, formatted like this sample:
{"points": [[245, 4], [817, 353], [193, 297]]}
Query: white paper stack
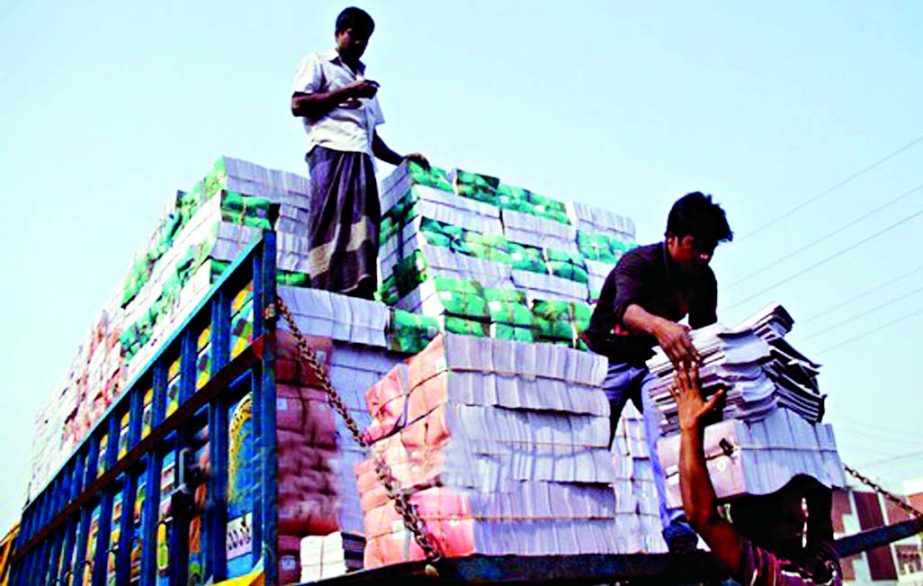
{"points": [[447, 207], [346, 319], [503, 445], [353, 369], [328, 556], [637, 517], [760, 457], [278, 186], [441, 261], [758, 376], [586, 218], [537, 231], [597, 272], [770, 420], [548, 287]]}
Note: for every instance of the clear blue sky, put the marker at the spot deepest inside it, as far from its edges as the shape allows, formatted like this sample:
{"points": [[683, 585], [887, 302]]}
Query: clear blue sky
{"points": [[108, 107]]}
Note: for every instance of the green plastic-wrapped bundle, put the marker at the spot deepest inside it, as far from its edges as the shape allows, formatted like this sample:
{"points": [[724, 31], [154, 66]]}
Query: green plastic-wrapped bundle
{"points": [[465, 327], [548, 208], [461, 297], [245, 209], [511, 319], [292, 279], [411, 332], [434, 177], [560, 321], [409, 272], [187, 202], [217, 178], [490, 247], [389, 227], [387, 291], [595, 247], [476, 186], [620, 247], [567, 265], [516, 333], [137, 278], [441, 234], [505, 295], [527, 258], [510, 197], [602, 247]]}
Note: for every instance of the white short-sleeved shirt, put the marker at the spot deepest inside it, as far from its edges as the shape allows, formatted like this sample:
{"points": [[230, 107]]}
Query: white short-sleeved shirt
{"points": [[344, 128]]}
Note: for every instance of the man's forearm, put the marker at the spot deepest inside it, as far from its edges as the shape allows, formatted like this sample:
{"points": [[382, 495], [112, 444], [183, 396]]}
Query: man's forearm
{"points": [[700, 501], [696, 488], [317, 105], [639, 321], [384, 152]]}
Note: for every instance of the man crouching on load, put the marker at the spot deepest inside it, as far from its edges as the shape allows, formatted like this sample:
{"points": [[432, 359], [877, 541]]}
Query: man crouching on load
{"points": [[651, 289]]}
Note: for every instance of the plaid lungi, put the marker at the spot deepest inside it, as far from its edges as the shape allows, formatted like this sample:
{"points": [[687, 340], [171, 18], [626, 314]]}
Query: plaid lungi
{"points": [[343, 230]]}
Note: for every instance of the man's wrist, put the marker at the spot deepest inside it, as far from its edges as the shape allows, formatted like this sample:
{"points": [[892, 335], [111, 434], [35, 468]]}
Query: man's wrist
{"points": [[657, 327], [692, 426]]}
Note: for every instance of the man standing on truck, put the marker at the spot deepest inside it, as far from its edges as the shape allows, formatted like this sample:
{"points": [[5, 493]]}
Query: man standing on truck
{"points": [[339, 107], [770, 542], [651, 289]]}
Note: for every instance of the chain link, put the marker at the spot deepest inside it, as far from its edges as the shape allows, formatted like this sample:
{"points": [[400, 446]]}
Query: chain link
{"points": [[913, 512], [406, 509]]}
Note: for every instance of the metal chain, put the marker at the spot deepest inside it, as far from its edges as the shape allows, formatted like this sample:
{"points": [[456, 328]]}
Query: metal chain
{"points": [[406, 509], [913, 512]]}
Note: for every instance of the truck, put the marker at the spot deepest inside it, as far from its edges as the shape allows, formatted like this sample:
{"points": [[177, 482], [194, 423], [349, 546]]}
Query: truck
{"points": [[144, 499]]}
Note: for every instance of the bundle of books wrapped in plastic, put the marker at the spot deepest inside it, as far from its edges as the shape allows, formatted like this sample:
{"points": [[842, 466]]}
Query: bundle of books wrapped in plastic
{"points": [[502, 446], [769, 426], [199, 236], [465, 253], [201, 232], [338, 331]]}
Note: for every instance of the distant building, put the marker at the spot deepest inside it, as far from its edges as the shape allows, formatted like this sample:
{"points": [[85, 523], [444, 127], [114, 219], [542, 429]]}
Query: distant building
{"points": [[858, 509]]}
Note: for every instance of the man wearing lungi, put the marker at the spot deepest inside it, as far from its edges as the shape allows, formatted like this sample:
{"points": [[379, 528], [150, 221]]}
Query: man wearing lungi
{"points": [[651, 289], [340, 110]]}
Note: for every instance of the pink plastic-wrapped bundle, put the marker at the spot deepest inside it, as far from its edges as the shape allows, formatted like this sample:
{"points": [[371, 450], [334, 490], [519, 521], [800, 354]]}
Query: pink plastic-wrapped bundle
{"points": [[306, 444], [448, 520], [503, 447], [290, 368]]}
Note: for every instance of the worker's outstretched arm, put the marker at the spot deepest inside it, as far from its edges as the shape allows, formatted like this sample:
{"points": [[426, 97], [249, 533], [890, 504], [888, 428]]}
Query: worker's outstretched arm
{"points": [[384, 152], [672, 337], [698, 493], [632, 286]]}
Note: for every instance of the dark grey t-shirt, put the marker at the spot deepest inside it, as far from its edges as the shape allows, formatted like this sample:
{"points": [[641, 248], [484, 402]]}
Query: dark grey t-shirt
{"points": [[648, 277]]}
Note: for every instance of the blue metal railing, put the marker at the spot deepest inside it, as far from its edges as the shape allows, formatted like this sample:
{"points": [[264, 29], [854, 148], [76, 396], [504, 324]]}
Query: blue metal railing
{"points": [[144, 498]]}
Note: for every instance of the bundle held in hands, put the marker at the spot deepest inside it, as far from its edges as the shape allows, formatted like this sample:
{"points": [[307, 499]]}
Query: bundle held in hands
{"points": [[768, 429]]}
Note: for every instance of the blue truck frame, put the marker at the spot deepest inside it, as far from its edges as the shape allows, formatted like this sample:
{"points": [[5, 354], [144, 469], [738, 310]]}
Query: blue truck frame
{"points": [[123, 452]]}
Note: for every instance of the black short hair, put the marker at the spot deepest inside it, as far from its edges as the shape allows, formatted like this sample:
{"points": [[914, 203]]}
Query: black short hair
{"points": [[356, 19], [695, 214]]}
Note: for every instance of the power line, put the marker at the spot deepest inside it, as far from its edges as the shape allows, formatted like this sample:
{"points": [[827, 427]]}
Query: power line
{"points": [[827, 259], [911, 439], [892, 459], [846, 446], [889, 429], [833, 188], [827, 236], [874, 330], [852, 318], [859, 296]]}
